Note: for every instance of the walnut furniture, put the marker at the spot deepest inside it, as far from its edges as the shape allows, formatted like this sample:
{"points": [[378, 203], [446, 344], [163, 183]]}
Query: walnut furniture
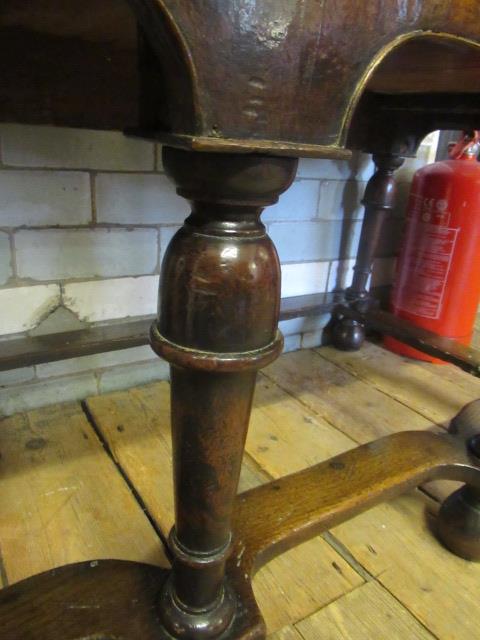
{"points": [[237, 90]]}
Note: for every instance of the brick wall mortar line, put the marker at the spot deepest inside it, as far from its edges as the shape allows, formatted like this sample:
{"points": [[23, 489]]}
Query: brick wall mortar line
{"points": [[93, 196], [11, 168], [13, 256], [319, 199]]}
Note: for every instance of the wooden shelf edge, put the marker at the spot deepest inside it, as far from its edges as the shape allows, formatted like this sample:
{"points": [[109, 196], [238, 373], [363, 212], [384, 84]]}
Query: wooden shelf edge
{"points": [[28, 351]]}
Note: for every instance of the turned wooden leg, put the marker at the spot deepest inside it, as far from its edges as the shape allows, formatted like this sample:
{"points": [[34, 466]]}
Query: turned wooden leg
{"points": [[458, 522], [219, 308], [379, 198]]}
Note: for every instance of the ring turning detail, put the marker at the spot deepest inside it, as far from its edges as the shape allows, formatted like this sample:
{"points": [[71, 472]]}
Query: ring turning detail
{"points": [[237, 91]]}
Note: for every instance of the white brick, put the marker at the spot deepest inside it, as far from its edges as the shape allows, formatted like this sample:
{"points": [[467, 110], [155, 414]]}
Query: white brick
{"points": [[108, 299], [39, 198], [138, 199], [359, 167], [125, 377], [299, 202], [16, 376], [341, 274], [54, 254], [40, 394], [304, 278], [29, 146], [312, 339], [59, 321], [23, 308], [362, 166], [166, 234], [291, 343], [303, 325], [5, 258], [341, 200], [319, 168], [322, 240], [96, 361]]}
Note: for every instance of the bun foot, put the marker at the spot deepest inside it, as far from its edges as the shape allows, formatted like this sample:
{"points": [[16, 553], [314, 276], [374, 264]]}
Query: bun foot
{"points": [[348, 334], [458, 523]]}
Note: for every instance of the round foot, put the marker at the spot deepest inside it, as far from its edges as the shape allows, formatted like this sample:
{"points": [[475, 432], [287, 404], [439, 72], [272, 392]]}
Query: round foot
{"points": [[108, 600], [348, 334], [458, 523], [182, 623], [466, 424]]}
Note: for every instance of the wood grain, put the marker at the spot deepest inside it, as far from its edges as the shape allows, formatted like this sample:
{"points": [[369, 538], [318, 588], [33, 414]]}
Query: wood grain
{"points": [[287, 633], [345, 401], [288, 588], [285, 433], [417, 385], [62, 500], [436, 392], [414, 588], [394, 542], [368, 613]]}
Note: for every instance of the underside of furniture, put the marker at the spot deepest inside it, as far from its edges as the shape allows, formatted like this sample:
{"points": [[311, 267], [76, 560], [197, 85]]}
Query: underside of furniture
{"points": [[237, 91]]}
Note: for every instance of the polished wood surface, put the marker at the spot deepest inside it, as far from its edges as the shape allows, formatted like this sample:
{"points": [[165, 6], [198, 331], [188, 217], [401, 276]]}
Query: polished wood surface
{"points": [[324, 54], [261, 83], [217, 326], [398, 48]]}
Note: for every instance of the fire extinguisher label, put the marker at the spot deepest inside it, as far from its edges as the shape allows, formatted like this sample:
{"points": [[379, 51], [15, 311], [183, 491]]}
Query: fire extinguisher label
{"points": [[428, 258]]}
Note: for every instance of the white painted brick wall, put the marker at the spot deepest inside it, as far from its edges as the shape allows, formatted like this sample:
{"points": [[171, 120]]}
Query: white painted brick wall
{"points": [[85, 219], [322, 240], [304, 278], [59, 254], [29, 146], [138, 199], [23, 308], [101, 300], [44, 198], [300, 202], [5, 258]]}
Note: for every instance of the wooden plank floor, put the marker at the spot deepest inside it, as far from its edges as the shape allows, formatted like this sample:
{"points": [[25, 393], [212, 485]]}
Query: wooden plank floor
{"points": [[94, 481]]}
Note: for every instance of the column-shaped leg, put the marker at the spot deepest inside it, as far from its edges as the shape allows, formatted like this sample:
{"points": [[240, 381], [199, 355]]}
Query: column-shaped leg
{"points": [[379, 199], [218, 317]]}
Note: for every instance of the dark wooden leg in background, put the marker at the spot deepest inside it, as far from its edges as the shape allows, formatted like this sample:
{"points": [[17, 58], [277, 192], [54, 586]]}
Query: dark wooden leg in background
{"points": [[348, 334], [459, 518], [220, 297]]}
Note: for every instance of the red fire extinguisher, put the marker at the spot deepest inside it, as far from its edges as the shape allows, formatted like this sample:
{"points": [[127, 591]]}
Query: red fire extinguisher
{"points": [[438, 271]]}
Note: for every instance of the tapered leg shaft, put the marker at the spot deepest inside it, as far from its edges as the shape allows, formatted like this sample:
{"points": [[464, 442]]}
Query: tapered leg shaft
{"points": [[379, 199], [218, 317]]}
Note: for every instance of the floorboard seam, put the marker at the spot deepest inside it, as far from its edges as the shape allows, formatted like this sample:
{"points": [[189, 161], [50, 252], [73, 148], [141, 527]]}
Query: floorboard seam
{"points": [[309, 408], [349, 558], [122, 472], [3, 571], [375, 386], [330, 602], [412, 613], [258, 467]]}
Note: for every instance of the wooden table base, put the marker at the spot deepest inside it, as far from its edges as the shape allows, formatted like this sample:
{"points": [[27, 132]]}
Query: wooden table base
{"points": [[113, 599]]}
